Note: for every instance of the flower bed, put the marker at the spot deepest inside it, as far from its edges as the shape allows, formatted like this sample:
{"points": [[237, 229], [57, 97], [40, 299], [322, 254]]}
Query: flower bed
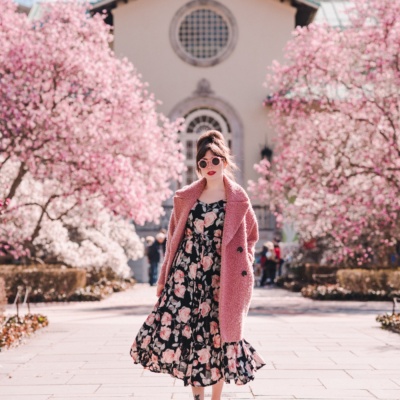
{"points": [[390, 322], [15, 329]]}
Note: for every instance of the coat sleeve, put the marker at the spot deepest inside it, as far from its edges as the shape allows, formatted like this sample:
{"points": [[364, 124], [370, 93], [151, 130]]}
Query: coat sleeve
{"points": [[171, 229], [252, 233]]}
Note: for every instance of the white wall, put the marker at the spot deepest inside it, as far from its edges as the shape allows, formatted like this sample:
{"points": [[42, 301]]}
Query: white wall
{"points": [[264, 26]]}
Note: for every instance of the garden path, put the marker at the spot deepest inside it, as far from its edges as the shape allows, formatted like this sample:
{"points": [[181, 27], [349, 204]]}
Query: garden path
{"points": [[313, 350]]}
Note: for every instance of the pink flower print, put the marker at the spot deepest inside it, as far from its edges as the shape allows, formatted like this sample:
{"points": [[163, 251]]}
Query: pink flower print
{"points": [[199, 225], [218, 233], [238, 351], [187, 332], [188, 232], [232, 365], [154, 358], [204, 308], [177, 354], [166, 319], [248, 369], [150, 320], [145, 342], [215, 281], [230, 351], [216, 295], [204, 355], [179, 276], [217, 341], [209, 218], [192, 270], [179, 291], [165, 333], [199, 339], [189, 246], [184, 314], [178, 374], [206, 262], [215, 374], [168, 356], [213, 327]]}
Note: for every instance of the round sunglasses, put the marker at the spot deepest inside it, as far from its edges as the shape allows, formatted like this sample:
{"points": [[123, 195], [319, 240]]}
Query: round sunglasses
{"points": [[203, 163]]}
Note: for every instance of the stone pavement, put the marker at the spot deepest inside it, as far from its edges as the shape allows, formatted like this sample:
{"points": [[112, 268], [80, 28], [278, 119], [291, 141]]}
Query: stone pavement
{"points": [[313, 350]]}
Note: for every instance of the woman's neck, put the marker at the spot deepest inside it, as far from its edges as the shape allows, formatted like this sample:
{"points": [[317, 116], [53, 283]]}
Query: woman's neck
{"points": [[215, 186]]}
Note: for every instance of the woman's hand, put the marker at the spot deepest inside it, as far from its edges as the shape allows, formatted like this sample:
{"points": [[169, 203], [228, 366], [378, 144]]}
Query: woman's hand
{"points": [[160, 288]]}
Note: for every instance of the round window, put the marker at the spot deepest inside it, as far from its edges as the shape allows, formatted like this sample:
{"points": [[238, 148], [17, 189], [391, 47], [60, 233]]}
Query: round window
{"points": [[203, 33]]}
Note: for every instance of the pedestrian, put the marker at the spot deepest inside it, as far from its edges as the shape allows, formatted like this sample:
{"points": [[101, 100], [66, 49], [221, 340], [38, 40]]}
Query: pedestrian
{"points": [[195, 331], [268, 260], [278, 255], [155, 254]]}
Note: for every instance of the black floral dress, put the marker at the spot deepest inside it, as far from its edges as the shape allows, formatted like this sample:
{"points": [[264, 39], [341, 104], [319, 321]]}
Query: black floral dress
{"points": [[181, 336]]}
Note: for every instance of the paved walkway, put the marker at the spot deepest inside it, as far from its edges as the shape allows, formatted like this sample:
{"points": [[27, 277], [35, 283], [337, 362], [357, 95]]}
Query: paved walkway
{"points": [[313, 350]]}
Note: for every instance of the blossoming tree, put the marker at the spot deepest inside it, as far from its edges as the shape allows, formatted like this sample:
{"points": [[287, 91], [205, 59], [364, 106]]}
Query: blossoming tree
{"points": [[336, 106], [79, 132]]}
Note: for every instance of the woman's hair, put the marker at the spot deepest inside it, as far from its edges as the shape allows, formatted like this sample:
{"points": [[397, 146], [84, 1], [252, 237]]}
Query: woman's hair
{"points": [[215, 142]]}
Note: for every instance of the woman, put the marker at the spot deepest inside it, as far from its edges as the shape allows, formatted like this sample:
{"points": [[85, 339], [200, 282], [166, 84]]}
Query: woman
{"points": [[195, 331]]}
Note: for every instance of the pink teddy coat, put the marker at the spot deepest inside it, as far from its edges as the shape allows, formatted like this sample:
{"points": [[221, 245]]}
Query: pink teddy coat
{"points": [[240, 234]]}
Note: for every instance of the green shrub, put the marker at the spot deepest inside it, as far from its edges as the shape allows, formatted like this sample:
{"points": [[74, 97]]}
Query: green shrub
{"points": [[3, 297], [365, 280], [47, 282]]}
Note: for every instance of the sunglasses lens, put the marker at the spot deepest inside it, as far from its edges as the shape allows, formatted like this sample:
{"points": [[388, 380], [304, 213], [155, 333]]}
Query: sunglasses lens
{"points": [[202, 164], [215, 161]]}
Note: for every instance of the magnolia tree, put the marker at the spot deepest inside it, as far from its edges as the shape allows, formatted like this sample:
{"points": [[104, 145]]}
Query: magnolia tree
{"points": [[336, 106], [82, 148]]}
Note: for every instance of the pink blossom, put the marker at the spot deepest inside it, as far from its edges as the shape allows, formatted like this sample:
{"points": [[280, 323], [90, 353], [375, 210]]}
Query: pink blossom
{"points": [[165, 333], [199, 225], [204, 355], [180, 291], [209, 218], [166, 318], [168, 356], [206, 262], [184, 314]]}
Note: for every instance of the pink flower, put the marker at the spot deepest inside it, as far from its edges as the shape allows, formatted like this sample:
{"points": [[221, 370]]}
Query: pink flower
{"points": [[179, 276], [145, 342], [177, 354], [168, 356], [204, 355], [187, 332], [230, 351], [213, 328], [215, 281], [217, 341], [165, 333], [150, 319], [209, 218], [166, 319], [204, 308], [206, 262], [154, 358], [216, 295], [188, 248], [199, 225], [232, 365], [218, 233], [180, 291], [192, 270], [215, 374], [184, 314], [178, 374]]}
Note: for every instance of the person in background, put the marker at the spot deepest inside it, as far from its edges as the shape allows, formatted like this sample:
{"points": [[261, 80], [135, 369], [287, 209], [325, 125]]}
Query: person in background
{"points": [[155, 254], [268, 261], [278, 255]]}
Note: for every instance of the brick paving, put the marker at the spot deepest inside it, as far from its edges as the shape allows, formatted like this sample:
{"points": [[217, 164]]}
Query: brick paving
{"points": [[314, 350]]}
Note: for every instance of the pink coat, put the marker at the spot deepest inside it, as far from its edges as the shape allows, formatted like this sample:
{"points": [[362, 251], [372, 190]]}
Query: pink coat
{"points": [[240, 234]]}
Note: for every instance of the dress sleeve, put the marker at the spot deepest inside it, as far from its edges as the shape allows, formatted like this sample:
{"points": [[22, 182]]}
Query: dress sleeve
{"points": [[171, 229]]}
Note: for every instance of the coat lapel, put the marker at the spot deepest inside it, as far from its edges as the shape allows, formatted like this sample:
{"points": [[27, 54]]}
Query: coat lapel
{"points": [[237, 205]]}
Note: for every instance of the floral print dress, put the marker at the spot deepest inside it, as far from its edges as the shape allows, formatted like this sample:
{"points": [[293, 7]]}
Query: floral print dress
{"points": [[181, 336]]}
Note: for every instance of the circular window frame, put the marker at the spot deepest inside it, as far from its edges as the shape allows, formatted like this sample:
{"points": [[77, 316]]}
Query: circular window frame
{"points": [[219, 9]]}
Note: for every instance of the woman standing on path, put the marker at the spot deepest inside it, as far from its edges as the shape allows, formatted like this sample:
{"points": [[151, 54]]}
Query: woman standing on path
{"points": [[195, 331]]}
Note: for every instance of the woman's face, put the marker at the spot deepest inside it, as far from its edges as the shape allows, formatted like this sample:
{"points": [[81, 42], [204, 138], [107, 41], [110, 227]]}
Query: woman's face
{"points": [[212, 172]]}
